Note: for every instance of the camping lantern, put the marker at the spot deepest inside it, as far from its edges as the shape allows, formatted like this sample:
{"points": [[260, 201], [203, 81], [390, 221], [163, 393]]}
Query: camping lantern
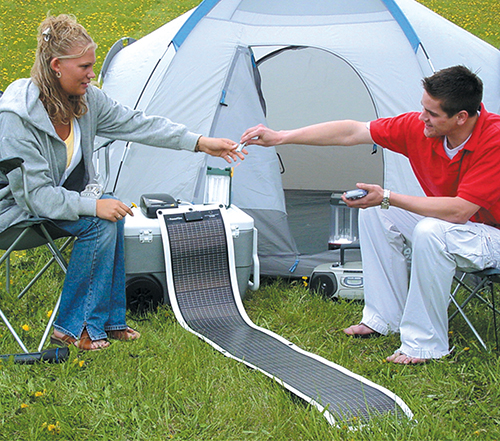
{"points": [[343, 223], [218, 186]]}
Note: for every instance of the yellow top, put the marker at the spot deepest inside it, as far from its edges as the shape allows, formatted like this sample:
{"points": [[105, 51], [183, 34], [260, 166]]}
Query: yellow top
{"points": [[70, 144]]}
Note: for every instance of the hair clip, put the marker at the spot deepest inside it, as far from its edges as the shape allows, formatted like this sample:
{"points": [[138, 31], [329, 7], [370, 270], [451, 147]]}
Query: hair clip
{"points": [[46, 34]]}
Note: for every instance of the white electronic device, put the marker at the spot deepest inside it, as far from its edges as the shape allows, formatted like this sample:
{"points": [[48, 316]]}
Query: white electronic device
{"points": [[338, 281]]}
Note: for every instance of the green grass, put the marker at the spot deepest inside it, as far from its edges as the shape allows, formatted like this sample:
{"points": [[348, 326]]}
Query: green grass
{"points": [[170, 384], [480, 17], [106, 21]]}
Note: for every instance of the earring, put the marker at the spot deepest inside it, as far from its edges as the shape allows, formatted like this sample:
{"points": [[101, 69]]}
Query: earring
{"points": [[58, 74]]}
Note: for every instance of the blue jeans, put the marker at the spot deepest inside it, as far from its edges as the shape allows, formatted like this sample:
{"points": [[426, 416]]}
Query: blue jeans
{"points": [[93, 294]]}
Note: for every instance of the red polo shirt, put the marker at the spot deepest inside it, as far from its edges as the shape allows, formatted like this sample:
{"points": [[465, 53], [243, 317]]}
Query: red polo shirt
{"points": [[473, 174]]}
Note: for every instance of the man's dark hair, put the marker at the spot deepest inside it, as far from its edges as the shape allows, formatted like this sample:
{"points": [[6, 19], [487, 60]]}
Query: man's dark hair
{"points": [[457, 88]]}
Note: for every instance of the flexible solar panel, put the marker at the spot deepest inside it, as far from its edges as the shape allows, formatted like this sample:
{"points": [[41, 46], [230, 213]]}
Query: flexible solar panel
{"points": [[203, 291]]}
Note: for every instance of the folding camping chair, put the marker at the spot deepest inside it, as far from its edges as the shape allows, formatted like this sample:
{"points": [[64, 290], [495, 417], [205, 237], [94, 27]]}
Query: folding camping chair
{"points": [[483, 283], [31, 233]]}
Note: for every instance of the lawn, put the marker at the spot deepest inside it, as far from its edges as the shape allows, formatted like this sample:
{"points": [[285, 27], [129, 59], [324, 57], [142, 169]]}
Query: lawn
{"points": [[171, 385]]}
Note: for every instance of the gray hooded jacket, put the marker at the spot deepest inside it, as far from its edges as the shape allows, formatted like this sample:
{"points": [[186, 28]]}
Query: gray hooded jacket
{"points": [[26, 131]]}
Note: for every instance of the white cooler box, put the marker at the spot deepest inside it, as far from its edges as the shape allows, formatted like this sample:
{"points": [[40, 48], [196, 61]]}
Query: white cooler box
{"points": [[145, 260]]}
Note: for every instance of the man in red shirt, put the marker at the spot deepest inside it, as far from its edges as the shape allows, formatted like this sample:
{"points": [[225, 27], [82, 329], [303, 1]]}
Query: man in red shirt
{"points": [[453, 146]]}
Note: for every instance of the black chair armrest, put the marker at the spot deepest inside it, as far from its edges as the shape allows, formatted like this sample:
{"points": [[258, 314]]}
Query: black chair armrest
{"points": [[10, 163]]}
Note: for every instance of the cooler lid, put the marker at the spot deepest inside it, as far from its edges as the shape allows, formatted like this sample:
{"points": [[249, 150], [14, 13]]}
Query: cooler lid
{"points": [[238, 217]]}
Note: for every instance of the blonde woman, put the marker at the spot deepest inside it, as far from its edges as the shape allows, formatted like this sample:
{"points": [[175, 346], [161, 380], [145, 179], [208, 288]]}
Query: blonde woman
{"points": [[51, 120]]}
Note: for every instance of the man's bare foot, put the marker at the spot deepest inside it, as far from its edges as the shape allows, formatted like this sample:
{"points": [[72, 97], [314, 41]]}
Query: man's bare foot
{"points": [[400, 358], [361, 331]]}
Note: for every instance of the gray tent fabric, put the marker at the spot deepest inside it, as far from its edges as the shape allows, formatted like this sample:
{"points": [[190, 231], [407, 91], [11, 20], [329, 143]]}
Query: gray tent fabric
{"points": [[228, 65]]}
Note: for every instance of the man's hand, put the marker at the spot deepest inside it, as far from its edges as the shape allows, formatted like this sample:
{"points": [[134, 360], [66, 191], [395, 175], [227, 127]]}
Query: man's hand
{"points": [[372, 199], [221, 147], [450, 209], [261, 135]]}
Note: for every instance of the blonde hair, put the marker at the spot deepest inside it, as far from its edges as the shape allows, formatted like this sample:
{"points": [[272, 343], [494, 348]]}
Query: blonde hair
{"points": [[57, 38]]}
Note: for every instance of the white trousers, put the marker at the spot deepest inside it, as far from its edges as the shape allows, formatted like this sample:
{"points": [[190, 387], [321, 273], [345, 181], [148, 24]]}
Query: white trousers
{"points": [[415, 303]]}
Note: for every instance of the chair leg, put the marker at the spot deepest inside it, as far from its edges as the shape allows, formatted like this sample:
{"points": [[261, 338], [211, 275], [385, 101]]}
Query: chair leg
{"points": [[492, 288], [486, 284], [473, 292], [13, 332], [471, 326], [58, 257], [7, 274], [488, 304], [6, 258], [49, 324], [54, 249], [47, 265]]}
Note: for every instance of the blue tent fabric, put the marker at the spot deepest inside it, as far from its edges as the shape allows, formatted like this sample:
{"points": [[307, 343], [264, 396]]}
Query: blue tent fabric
{"points": [[407, 28], [203, 9]]}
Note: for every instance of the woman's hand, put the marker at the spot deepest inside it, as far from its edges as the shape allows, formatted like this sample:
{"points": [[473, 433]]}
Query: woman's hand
{"points": [[112, 209], [221, 147]]}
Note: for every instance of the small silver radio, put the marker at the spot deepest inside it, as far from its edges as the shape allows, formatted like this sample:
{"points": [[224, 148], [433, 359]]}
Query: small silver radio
{"points": [[336, 280]]}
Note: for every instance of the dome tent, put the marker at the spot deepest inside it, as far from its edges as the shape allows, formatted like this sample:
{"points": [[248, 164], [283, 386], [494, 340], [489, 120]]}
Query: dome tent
{"points": [[228, 65]]}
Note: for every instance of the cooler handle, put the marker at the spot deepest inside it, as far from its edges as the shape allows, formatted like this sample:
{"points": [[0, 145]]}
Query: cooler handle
{"points": [[255, 284]]}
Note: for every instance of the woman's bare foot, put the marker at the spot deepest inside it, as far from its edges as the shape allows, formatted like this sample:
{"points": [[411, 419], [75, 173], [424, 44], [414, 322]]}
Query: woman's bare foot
{"points": [[361, 331], [400, 358]]}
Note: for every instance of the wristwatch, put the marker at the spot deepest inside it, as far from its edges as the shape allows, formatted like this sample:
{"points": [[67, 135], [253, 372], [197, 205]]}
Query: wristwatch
{"points": [[385, 204], [93, 191]]}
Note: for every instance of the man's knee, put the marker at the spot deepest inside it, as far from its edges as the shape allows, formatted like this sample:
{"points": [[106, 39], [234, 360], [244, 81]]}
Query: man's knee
{"points": [[429, 230]]}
